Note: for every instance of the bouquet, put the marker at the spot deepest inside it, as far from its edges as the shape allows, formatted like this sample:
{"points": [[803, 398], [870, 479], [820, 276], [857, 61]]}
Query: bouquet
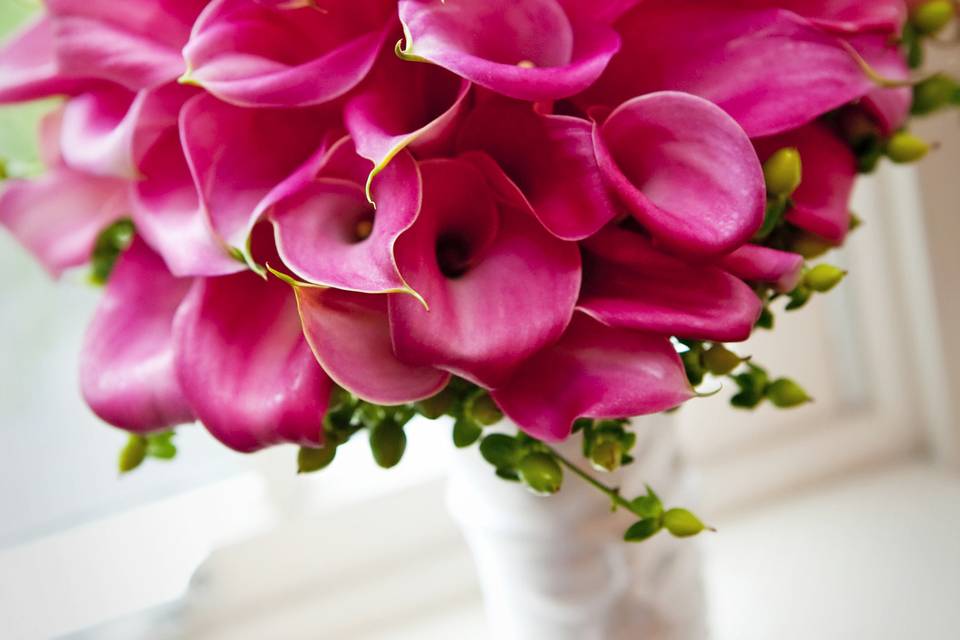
{"points": [[318, 218]]}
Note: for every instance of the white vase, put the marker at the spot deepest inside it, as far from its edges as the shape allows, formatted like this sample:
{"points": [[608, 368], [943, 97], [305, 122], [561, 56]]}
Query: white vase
{"points": [[557, 567]]}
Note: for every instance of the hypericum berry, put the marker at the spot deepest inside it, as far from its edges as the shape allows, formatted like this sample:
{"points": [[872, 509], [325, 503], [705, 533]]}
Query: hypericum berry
{"points": [[783, 172]]}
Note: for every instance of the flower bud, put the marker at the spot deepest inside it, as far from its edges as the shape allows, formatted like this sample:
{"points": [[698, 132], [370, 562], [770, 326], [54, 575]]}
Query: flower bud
{"points": [[387, 442], [824, 277], [643, 530], [931, 17], [681, 523], [541, 473], [311, 459], [786, 394], [905, 147], [606, 454], [783, 172], [481, 408], [133, 454], [720, 361]]}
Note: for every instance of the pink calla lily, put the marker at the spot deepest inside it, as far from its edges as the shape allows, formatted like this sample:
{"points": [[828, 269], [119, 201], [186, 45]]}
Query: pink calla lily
{"points": [[526, 49], [627, 283], [594, 371], [29, 68], [755, 263], [127, 374], [821, 203], [329, 234], [685, 170], [277, 53], [244, 365], [499, 286], [350, 336], [551, 161], [734, 58]]}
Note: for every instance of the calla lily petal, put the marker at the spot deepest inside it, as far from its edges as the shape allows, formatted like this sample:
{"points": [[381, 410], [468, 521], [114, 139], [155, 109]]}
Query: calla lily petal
{"points": [[277, 53], [350, 336], [127, 374], [551, 160], [402, 104], [134, 43], [821, 203], [59, 215], [890, 108], [168, 213], [525, 49], [318, 228], [843, 16], [499, 286], [244, 365], [627, 283], [594, 371], [255, 148], [755, 263], [686, 171], [734, 58], [29, 68]]}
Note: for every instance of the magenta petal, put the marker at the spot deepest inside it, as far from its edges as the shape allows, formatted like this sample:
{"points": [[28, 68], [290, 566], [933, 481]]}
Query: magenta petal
{"points": [[316, 229], [551, 160], [735, 59], [136, 44], [513, 295], [627, 283], [350, 336], [276, 53], [238, 156], [126, 370], [168, 214], [686, 171], [846, 16], [403, 104], [889, 107], [245, 366], [59, 215], [821, 203], [594, 371], [526, 49], [28, 66], [761, 264]]}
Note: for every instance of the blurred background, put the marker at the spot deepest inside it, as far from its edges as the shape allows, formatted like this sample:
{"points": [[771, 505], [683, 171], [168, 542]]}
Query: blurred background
{"points": [[838, 520]]}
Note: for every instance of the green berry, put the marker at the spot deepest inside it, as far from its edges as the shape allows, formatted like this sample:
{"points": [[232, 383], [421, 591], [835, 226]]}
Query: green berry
{"points": [[643, 530], [720, 361], [783, 172], [682, 524], [931, 17], [466, 432], [541, 473], [606, 454], [904, 148], [824, 277], [481, 408], [500, 450]]}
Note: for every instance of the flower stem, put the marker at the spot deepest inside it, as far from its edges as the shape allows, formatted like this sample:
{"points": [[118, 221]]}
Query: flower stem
{"points": [[610, 492]]}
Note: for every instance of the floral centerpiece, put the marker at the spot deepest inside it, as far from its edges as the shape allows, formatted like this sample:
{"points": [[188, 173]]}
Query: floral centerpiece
{"points": [[319, 218]]}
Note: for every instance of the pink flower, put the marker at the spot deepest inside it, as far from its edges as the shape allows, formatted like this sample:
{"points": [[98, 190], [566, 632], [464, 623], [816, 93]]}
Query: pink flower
{"points": [[532, 195]]}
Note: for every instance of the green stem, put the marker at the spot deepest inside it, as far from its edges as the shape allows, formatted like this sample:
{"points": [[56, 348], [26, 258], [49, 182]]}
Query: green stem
{"points": [[610, 492]]}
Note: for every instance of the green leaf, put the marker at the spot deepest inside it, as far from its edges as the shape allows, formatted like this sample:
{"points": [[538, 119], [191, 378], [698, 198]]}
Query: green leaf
{"points": [[133, 453], [387, 443], [465, 432], [500, 450], [310, 459], [643, 530], [481, 409]]}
